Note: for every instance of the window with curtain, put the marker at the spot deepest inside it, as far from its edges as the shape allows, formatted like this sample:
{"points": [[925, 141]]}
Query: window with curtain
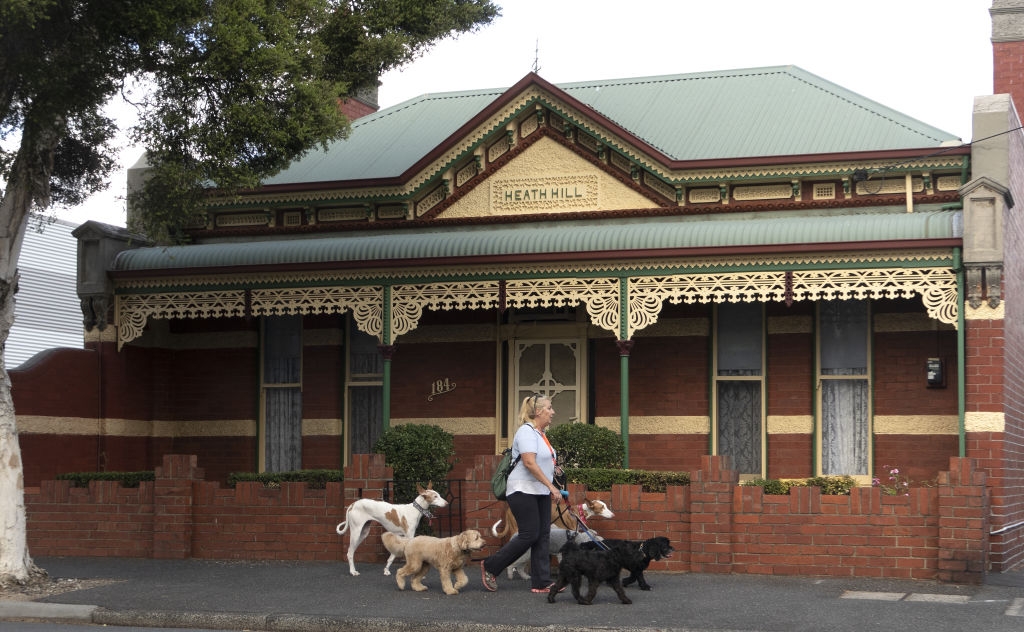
{"points": [[365, 387], [282, 393], [844, 387], [739, 376]]}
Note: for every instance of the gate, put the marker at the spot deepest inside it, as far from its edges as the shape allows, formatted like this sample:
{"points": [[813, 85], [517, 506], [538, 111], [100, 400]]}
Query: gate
{"points": [[447, 521]]}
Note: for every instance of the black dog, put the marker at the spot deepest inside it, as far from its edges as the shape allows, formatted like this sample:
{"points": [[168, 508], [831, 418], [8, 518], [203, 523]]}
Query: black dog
{"points": [[653, 549], [597, 566]]}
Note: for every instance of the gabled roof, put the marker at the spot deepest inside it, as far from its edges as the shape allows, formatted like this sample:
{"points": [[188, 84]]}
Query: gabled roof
{"points": [[756, 112]]}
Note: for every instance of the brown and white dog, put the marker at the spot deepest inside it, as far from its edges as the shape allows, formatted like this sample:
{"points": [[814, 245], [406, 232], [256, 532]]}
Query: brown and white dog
{"points": [[448, 555], [398, 519], [560, 519]]}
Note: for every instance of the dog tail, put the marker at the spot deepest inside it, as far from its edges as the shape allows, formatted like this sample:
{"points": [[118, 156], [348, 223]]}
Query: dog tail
{"points": [[494, 529], [342, 527]]}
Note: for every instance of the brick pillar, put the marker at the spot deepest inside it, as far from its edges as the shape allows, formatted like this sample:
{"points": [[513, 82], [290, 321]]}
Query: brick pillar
{"points": [[963, 523], [366, 476], [711, 495], [1008, 49], [173, 493], [481, 509]]}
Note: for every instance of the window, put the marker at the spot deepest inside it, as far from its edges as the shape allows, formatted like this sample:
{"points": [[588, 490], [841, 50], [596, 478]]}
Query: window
{"points": [[281, 390], [739, 383], [844, 387], [364, 416], [552, 368]]}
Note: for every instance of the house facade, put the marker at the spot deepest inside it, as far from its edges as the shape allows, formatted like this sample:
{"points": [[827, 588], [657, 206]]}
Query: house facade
{"points": [[755, 263]]}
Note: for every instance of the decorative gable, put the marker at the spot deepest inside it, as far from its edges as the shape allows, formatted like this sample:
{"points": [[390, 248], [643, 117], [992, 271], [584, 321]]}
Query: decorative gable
{"points": [[546, 178]]}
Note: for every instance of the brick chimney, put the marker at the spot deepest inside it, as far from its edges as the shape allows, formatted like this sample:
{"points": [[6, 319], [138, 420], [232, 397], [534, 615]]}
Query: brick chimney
{"points": [[363, 102], [1008, 49]]}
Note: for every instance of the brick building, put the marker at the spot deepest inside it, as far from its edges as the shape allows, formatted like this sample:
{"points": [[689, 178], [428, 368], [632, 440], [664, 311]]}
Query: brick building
{"points": [[753, 263]]}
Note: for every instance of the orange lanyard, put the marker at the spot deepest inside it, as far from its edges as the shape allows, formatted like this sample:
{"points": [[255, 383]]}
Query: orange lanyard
{"points": [[545, 437]]}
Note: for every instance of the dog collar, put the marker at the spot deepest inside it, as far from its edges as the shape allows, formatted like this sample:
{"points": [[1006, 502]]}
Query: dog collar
{"points": [[426, 512], [579, 515]]}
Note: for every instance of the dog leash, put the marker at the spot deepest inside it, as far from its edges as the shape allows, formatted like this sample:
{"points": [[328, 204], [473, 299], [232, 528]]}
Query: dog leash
{"points": [[580, 522]]}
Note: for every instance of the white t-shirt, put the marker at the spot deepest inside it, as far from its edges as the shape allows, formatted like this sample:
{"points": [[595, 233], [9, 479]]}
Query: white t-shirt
{"points": [[528, 439]]}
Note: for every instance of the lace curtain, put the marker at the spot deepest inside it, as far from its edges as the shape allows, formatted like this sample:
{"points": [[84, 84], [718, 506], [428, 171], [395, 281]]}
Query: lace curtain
{"points": [[282, 397], [738, 349], [845, 410]]}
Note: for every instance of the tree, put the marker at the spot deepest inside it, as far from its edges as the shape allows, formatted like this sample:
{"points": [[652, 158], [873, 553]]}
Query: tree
{"points": [[229, 93]]}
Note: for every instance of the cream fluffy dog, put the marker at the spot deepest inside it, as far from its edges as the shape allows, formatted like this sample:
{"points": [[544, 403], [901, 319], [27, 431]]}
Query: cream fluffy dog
{"points": [[449, 555]]}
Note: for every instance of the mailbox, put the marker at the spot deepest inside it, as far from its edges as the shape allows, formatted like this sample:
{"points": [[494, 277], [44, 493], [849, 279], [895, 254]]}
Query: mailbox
{"points": [[936, 373]]}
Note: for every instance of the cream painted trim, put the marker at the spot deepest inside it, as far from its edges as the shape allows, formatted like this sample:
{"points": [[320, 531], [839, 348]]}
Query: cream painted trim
{"points": [[790, 424], [888, 323], [454, 425], [985, 422], [697, 424], [37, 424], [790, 324], [916, 425], [321, 427], [95, 335], [984, 312]]}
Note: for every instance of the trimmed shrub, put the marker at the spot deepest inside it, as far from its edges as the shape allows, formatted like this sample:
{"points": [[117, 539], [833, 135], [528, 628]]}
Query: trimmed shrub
{"points": [[314, 479], [127, 479], [601, 480], [830, 485], [587, 446], [417, 454]]}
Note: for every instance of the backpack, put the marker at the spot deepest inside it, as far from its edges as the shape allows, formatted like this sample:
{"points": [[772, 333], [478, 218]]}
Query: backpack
{"points": [[500, 476]]}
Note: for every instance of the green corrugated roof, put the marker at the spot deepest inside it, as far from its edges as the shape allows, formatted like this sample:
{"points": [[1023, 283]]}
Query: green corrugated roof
{"points": [[771, 111], [740, 229]]}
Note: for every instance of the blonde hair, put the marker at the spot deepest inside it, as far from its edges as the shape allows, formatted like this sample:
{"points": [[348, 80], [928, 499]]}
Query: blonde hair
{"points": [[530, 406]]}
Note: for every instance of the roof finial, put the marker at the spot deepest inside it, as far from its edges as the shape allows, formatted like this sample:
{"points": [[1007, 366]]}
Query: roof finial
{"points": [[536, 56]]}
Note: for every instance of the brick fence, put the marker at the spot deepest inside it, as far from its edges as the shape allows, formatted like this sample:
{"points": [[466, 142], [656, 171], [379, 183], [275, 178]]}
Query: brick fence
{"points": [[715, 525]]}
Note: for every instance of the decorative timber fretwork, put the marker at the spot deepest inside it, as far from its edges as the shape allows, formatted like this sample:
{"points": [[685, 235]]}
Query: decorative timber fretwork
{"points": [[646, 291], [601, 296], [133, 310], [408, 301], [364, 302], [936, 286]]}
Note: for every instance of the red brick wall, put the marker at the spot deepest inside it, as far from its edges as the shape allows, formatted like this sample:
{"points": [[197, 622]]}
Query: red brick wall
{"points": [[470, 365], [667, 376], [1008, 70], [1003, 453], [667, 452], [789, 455], [715, 525]]}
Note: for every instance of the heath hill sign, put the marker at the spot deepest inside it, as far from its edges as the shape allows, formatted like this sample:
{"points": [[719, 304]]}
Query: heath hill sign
{"points": [[545, 194]]}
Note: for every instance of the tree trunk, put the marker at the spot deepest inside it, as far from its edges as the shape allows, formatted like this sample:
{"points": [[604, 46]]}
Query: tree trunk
{"points": [[27, 187]]}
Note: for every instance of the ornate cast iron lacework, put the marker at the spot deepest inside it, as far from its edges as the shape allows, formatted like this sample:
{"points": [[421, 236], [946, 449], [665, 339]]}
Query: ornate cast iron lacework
{"points": [[646, 295], [134, 310], [601, 296], [936, 286], [364, 302]]}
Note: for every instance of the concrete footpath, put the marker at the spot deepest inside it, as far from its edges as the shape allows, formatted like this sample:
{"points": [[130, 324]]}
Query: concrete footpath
{"points": [[321, 596]]}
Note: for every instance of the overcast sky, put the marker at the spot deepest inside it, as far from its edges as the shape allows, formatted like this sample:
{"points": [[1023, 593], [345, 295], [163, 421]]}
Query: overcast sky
{"points": [[925, 58]]}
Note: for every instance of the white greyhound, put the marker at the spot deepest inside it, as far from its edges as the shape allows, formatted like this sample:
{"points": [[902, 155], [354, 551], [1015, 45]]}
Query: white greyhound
{"points": [[399, 519]]}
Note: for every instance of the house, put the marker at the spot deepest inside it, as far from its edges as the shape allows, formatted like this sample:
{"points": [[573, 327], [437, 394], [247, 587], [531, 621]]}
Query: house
{"points": [[753, 263], [46, 312]]}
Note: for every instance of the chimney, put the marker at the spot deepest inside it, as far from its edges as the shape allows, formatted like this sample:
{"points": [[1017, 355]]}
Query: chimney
{"points": [[1008, 49], [363, 102]]}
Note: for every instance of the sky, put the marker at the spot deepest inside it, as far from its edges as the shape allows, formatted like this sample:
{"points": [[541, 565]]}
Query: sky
{"points": [[925, 58]]}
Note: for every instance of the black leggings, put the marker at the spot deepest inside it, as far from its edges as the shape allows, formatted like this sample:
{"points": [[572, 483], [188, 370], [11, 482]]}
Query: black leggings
{"points": [[533, 514]]}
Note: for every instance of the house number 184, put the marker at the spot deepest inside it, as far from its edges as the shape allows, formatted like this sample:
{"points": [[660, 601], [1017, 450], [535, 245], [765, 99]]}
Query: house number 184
{"points": [[440, 387]]}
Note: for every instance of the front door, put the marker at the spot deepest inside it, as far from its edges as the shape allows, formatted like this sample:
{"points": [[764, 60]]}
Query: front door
{"points": [[553, 368]]}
